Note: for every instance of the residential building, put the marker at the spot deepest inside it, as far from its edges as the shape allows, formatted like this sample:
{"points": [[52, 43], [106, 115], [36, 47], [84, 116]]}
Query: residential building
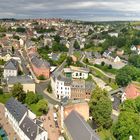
{"points": [[40, 67], [81, 89], [26, 81], [81, 106], [132, 91], [78, 129], [76, 72], [72, 89], [23, 121], [11, 68], [61, 86]]}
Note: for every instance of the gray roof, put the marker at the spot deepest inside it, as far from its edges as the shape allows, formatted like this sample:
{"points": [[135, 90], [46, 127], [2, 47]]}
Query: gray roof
{"points": [[40, 63], [19, 79], [11, 65], [16, 109], [30, 128], [78, 127]]}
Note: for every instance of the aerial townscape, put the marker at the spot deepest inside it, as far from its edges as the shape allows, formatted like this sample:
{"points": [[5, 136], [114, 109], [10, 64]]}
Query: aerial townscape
{"points": [[69, 79]]}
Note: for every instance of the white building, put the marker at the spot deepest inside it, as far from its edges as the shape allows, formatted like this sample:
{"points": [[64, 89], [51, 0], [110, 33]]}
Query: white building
{"points": [[77, 72], [10, 68], [23, 121], [113, 34], [61, 87]]}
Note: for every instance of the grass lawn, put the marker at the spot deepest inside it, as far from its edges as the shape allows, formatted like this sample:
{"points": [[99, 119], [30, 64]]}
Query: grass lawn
{"points": [[33, 108], [106, 69], [5, 97], [106, 135]]}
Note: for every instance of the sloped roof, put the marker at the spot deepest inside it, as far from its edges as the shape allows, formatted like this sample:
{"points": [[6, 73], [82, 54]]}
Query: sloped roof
{"points": [[11, 64], [40, 63], [78, 127], [132, 91], [16, 109], [30, 128]]}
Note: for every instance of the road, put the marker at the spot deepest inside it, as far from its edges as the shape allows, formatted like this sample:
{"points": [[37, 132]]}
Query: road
{"points": [[40, 90]]}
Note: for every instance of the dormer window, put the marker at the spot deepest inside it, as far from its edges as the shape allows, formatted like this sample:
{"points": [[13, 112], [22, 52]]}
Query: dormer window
{"points": [[24, 125], [28, 129], [32, 134]]}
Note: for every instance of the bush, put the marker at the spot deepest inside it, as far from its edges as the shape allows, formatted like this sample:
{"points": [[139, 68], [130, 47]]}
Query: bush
{"points": [[41, 77], [1, 91]]}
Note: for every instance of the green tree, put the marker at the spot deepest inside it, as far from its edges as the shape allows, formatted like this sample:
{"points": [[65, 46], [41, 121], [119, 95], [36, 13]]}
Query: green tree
{"points": [[13, 50], [137, 102], [126, 75], [101, 108], [134, 60], [31, 98], [76, 45], [69, 61], [41, 77], [1, 91], [128, 124], [42, 106], [17, 92], [49, 88]]}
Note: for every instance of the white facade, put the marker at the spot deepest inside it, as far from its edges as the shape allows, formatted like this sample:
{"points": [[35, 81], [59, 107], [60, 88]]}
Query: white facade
{"points": [[61, 89], [21, 134], [8, 72], [79, 75]]}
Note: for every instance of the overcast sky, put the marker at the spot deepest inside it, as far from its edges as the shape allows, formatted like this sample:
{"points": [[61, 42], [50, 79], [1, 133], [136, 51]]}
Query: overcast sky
{"points": [[90, 10]]}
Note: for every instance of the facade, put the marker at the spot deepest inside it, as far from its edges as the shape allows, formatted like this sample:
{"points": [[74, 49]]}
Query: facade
{"points": [[11, 68], [40, 67], [77, 72], [80, 89], [27, 83], [23, 121], [81, 106], [61, 87], [72, 89]]}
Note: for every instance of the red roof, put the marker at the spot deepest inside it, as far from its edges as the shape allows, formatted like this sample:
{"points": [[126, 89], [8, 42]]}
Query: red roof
{"points": [[132, 91]]}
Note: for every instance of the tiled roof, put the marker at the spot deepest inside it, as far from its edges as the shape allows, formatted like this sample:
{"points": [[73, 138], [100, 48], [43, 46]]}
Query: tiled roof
{"points": [[132, 91]]}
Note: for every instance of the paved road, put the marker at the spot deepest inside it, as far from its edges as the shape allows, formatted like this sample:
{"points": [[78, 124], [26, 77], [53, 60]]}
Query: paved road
{"points": [[40, 89]]}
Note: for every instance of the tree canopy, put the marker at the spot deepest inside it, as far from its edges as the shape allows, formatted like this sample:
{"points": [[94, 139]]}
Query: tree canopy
{"points": [[126, 75], [101, 108]]}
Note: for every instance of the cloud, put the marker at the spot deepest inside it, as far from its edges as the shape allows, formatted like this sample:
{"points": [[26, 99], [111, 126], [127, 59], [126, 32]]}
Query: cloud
{"points": [[77, 9]]}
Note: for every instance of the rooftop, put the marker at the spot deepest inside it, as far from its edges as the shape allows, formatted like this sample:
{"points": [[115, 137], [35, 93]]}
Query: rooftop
{"points": [[16, 108], [19, 79], [78, 127]]}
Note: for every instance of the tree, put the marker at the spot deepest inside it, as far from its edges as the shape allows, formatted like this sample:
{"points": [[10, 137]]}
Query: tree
{"points": [[126, 75], [42, 106], [76, 45], [101, 108], [128, 124], [1, 91], [134, 60], [20, 30], [49, 88], [102, 63], [137, 102], [69, 60], [31, 98], [41, 77], [13, 50], [57, 38], [17, 92]]}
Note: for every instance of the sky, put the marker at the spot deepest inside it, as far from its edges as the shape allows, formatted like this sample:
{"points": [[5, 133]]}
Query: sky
{"points": [[87, 10]]}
